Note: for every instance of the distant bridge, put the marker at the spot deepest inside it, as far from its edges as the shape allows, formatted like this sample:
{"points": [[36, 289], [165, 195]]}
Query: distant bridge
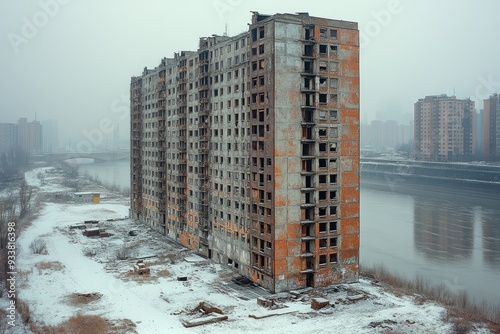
{"points": [[97, 156]]}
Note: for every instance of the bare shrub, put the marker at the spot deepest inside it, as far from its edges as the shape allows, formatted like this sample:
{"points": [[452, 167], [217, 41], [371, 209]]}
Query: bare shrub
{"points": [[122, 253], [25, 194], [90, 252], [54, 266], [39, 246]]}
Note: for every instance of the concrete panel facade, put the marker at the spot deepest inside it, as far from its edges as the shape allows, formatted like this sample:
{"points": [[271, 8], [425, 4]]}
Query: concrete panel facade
{"points": [[247, 150]]}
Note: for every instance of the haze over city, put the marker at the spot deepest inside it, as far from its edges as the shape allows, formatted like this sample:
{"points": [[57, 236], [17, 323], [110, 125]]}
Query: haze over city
{"points": [[75, 65], [272, 167]]}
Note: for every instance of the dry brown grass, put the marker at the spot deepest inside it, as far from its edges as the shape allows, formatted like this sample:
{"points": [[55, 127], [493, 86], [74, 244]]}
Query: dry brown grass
{"points": [[49, 266], [462, 311], [78, 324], [163, 273], [79, 299], [133, 276], [123, 326], [24, 311]]}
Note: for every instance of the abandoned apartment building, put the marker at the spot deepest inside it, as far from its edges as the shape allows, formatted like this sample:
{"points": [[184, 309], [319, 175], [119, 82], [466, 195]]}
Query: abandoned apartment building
{"points": [[247, 150]]}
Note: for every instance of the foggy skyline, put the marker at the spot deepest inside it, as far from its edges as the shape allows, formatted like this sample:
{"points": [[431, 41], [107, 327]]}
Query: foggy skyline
{"points": [[75, 65]]}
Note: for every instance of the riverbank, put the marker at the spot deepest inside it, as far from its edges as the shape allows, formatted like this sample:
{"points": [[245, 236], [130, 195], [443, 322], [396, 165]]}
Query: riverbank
{"points": [[482, 181], [52, 284]]}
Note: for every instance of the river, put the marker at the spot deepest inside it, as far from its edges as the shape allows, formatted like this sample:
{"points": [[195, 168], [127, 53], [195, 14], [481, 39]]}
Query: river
{"points": [[446, 238]]}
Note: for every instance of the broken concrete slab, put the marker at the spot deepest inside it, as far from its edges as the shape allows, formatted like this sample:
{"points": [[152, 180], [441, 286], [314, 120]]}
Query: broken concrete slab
{"points": [[206, 308], [204, 321], [270, 314], [356, 297], [319, 303], [265, 302]]}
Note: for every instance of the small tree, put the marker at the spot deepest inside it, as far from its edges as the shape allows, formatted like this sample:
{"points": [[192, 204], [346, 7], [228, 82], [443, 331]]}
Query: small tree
{"points": [[25, 193], [38, 246]]}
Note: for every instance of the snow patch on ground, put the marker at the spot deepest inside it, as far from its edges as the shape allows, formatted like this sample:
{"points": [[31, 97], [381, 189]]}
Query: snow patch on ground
{"points": [[159, 302]]}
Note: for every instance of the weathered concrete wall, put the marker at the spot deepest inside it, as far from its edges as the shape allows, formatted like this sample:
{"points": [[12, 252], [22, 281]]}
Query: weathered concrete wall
{"points": [[287, 153]]}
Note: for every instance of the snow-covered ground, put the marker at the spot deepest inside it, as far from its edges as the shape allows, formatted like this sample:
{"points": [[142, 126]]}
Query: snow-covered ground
{"points": [[159, 302]]}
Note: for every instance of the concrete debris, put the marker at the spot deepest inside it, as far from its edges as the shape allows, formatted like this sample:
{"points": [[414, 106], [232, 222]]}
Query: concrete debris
{"points": [[270, 314], [319, 303], [206, 308], [203, 321], [383, 324], [92, 296], [140, 268], [95, 231], [265, 302], [356, 297], [242, 280]]}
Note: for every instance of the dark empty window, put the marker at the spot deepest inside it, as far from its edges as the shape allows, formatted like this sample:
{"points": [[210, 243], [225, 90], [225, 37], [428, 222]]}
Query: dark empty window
{"points": [[333, 33], [254, 34], [333, 242], [323, 49], [333, 258], [322, 195], [333, 194], [322, 243], [322, 212]]}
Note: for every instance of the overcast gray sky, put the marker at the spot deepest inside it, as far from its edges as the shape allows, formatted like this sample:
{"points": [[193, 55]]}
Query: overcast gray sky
{"points": [[75, 66]]}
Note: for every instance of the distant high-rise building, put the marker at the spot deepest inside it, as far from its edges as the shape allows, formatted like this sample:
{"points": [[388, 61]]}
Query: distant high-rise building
{"points": [[29, 136], [444, 129], [385, 135], [50, 136], [8, 138], [247, 150], [491, 128], [479, 135], [405, 133]]}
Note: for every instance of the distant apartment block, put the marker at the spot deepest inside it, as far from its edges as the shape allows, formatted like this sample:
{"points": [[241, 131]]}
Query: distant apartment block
{"points": [[385, 134], [50, 136], [444, 128], [8, 138], [491, 128], [29, 136], [247, 150]]}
